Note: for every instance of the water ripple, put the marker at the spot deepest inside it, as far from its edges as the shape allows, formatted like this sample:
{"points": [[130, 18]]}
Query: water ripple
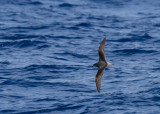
{"points": [[133, 51], [20, 43], [66, 5], [47, 49]]}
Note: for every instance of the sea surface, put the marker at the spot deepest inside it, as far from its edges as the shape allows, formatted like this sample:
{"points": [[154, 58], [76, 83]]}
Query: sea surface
{"points": [[48, 47]]}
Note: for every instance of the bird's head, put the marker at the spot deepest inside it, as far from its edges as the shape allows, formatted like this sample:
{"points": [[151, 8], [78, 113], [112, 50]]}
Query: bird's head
{"points": [[109, 64]]}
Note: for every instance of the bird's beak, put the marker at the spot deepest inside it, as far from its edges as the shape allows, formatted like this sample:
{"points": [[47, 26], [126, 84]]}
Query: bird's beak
{"points": [[109, 64]]}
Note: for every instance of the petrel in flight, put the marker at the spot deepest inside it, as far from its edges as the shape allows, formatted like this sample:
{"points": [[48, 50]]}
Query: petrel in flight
{"points": [[101, 64]]}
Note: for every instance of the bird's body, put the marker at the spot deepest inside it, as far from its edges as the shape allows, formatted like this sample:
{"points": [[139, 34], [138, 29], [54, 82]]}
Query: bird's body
{"points": [[101, 64]]}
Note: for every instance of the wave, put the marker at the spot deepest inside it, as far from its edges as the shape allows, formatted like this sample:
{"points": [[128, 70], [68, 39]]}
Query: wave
{"points": [[133, 51], [73, 28], [58, 107], [84, 25], [30, 27], [21, 36], [5, 62], [58, 68], [19, 2], [66, 5], [7, 111], [64, 37], [21, 43], [157, 25], [73, 54], [33, 67], [156, 69], [135, 38]]}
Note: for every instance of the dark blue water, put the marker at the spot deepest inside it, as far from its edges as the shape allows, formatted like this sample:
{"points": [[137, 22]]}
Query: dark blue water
{"points": [[47, 48]]}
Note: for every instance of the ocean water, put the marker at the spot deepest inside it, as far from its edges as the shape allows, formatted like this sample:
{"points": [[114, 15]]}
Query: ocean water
{"points": [[48, 47]]}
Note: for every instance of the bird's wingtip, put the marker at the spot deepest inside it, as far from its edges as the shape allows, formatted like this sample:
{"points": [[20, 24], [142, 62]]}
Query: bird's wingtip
{"points": [[104, 39]]}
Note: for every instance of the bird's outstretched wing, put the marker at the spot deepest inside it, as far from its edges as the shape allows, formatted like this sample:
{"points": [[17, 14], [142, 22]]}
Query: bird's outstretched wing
{"points": [[101, 52], [98, 77]]}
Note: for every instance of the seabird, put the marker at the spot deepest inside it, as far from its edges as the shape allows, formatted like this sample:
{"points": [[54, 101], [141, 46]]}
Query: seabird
{"points": [[101, 64]]}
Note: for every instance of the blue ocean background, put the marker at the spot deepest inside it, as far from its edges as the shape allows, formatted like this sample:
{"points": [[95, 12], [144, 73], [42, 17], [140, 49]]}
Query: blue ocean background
{"points": [[48, 47]]}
